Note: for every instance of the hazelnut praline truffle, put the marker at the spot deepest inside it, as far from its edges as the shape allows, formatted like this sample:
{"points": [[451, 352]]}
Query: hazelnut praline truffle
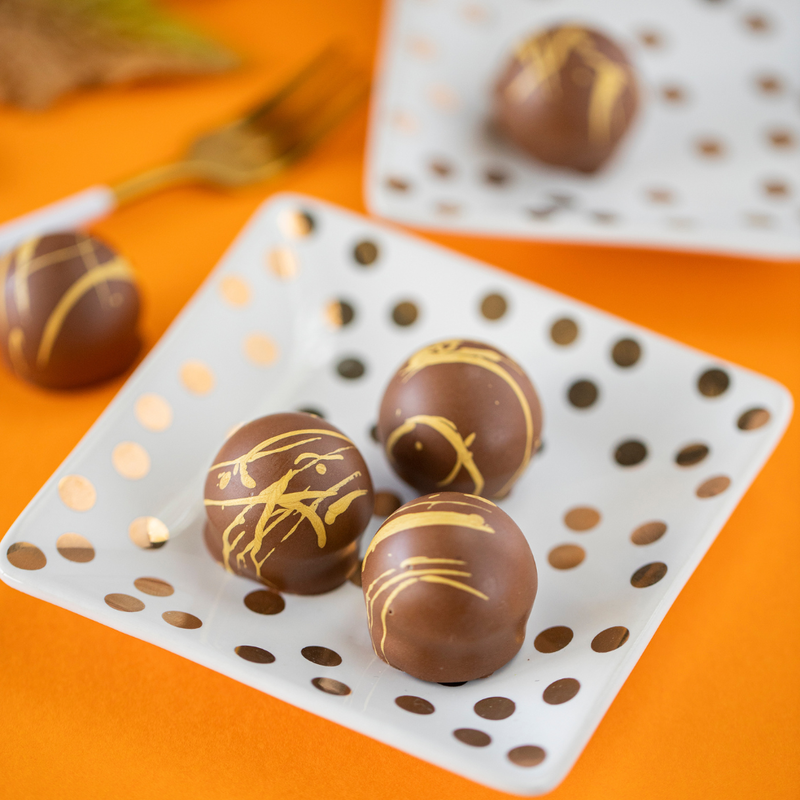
{"points": [[449, 581], [68, 311], [287, 497], [462, 416], [567, 96]]}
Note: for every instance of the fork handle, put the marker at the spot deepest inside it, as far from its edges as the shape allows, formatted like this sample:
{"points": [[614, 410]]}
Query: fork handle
{"points": [[75, 211]]}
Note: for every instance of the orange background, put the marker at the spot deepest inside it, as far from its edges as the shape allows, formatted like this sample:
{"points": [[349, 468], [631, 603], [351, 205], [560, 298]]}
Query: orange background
{"points": [[712, 710]]}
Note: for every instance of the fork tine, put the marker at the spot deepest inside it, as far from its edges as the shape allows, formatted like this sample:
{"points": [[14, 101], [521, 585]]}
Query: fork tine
{"points": [[308, 87]]}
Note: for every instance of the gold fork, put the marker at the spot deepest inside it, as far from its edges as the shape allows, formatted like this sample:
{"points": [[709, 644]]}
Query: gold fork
{"points": [[253, 148]]}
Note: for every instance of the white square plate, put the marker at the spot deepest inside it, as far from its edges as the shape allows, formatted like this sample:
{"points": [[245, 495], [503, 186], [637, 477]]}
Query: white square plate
{"points": [[256, 338], [712, 162]]}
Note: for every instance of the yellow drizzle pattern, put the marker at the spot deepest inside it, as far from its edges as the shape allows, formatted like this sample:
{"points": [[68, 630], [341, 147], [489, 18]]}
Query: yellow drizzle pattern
{"points": [[278, 503], [415, 569], [543, 58], [452, 352], [26, 263], [447, 429]]}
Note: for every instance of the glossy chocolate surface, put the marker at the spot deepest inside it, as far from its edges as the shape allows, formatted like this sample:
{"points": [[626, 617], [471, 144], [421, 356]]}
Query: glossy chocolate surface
{"points": [[287, 497], [449, 582], [460, 416], [567, 97], [68, 311]]}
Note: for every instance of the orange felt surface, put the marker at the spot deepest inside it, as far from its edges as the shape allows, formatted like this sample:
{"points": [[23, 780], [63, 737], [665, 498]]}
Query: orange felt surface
{"points": [[712, 710]]}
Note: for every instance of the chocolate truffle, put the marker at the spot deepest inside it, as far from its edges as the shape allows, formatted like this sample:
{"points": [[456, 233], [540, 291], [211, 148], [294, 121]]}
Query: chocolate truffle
{"points": [[462, 416], [68, 311], [449, 581], [567, 96], [287, 497]]}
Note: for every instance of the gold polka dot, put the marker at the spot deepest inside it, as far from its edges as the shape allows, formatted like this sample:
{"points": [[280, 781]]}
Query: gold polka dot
{"points": [[553, 639], [321, 469], [566, 556], [148, 533], [75, 547], [769, 84], [397, 184], [350, 368], [564, 331], [282, 263], [583, 394], [582, 518], [265, 601], [527, 755], [781, 139], [494, 306], [296, 224], [153, 412], [444, 98], [405, 122], [626, 352], [234, 290], [448, 208], [256, 655], [660, 196], [124, 602], [77, 492], [323, 656], [366, 253], [472, 737], [713, 486], [386, 503], [673, 94], [691, 454], [561, 691], [181, 619], [339, 313], [197, 377], [495, 708], [776, 188], [260, 349], [757, 23], [713, 383], [421, 47], [610, 639], [416, 705], [154, 586], [131, 460], [630, 453], [752, 419], [652, 39], [648, 575], [405, 313], [441, 168], [710, 148], [648, 533], [330, 686], [24, 555]]}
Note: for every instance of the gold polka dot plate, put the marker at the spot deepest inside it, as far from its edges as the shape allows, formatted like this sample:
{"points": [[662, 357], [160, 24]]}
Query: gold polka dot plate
{"points": [[633, 482], [711, 163]]}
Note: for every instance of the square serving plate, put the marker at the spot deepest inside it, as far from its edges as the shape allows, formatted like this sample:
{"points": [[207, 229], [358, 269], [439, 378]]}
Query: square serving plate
{"points": [[711, 163], [261, 336]]}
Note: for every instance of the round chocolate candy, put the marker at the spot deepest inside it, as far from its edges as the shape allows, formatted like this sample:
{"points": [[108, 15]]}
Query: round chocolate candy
{"points": [[449, 581], [287, 497], [567, 96], [462, 416], [68, 311]]}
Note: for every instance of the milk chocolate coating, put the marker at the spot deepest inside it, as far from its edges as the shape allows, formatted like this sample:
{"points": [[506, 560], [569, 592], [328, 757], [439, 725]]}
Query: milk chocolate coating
{"points": [[449, 582], [460, 416], [567, 96], [287, 497], [68, 311]]}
